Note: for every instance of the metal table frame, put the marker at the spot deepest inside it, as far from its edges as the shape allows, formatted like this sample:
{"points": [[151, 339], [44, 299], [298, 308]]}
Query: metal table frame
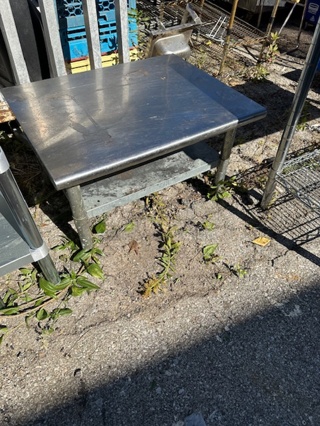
{"points": [[136, 122]]}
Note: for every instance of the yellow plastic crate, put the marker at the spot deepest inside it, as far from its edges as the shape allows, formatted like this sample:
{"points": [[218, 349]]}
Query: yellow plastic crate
{"points": [[107, 61]]}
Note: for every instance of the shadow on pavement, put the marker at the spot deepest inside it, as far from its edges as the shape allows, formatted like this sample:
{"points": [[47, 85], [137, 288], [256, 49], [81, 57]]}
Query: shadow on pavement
{"points": [[288, 222], [261, 371], [277, 102]]}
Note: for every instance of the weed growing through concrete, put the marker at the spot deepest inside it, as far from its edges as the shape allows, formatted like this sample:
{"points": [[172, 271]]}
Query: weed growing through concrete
{"points": [[222, 189], [238, 270], [169, 246], [167, 261], [209, 226], [41, 303]]}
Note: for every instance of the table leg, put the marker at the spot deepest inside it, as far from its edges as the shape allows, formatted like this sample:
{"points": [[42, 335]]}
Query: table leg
{"points": [[49, 270], [225, 156], [80, 216]]}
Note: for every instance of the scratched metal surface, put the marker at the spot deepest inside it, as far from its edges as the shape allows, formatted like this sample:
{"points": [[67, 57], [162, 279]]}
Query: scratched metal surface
{"points": [[85, 126]]}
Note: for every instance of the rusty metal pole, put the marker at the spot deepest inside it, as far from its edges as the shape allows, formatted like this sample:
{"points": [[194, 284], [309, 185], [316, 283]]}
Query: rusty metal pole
{"points": [[229, 31]]}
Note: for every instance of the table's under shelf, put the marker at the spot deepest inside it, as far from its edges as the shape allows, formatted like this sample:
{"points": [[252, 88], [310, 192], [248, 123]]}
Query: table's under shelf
{"points": [[130, 185], [301, 177], [15, 252]]}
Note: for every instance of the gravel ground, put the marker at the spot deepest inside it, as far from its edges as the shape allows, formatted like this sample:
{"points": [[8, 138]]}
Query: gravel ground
{"points": [[239, 350]]}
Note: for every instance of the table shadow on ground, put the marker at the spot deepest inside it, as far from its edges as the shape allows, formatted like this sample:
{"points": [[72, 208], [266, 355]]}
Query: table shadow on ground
{"points": [[277, 102]]}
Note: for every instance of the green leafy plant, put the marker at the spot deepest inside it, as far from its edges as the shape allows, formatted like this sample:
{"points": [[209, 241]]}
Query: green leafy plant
{"points": [[222, 189], [201, 58], [100, 227], [143, 22], [157, 210], [66, 244], [269, 52], [238, 270], [167, 261], [272, 49], [218, 276], [210, 256], [140, 17], [257, 73], [35, 298], [129, 227], [30, 301], [209, 226], [90, 261], [209, 253]]}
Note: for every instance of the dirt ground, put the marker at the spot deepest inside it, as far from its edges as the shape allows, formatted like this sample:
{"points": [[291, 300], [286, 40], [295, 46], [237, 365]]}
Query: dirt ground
{"points": [[124, 359]]}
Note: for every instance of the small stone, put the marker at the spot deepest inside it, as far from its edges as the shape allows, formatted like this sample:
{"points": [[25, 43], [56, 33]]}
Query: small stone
{"points": [[194, 419]]}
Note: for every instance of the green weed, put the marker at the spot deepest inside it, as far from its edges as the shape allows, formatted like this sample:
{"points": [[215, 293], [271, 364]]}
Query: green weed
{"points": [[36, 299], [169, 246]]}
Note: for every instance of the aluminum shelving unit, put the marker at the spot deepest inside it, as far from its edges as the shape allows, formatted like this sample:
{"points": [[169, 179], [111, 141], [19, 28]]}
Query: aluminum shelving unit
{"points": [[301, 177], [20, 240]]}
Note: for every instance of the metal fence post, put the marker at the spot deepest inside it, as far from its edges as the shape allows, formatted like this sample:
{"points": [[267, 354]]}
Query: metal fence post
{"points": [[92, 31], [52, 37], [122, 30], [11, 39]]}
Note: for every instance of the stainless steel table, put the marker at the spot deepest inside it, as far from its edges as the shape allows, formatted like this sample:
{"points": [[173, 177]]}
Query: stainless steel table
{"points": [[112, 135]]}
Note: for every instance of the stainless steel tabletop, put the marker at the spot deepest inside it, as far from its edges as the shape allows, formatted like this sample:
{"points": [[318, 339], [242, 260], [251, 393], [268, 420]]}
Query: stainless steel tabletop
{"points": [[85, 126]]}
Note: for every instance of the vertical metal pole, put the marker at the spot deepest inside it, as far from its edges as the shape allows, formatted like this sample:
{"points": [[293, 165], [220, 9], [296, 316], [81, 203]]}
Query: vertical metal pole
{"points": [[272, 18], [92, 31], [301, 93], [269, 28], [52, 37], [261, 4], [12, 42], [229, 31], [122, 30], [225, 155], [301, 22], [49, 270], [25, 223], [80, 216], [288, 17]]}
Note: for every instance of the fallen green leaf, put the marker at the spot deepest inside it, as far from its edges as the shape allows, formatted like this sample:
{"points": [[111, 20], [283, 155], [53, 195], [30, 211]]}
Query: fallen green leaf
{"points": [[9, 311], [85, 283], [208, 252], [100, 227], [3, 329], [95, 270], [129, 227], [58, 312], [77, 291], [42, 314]]}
